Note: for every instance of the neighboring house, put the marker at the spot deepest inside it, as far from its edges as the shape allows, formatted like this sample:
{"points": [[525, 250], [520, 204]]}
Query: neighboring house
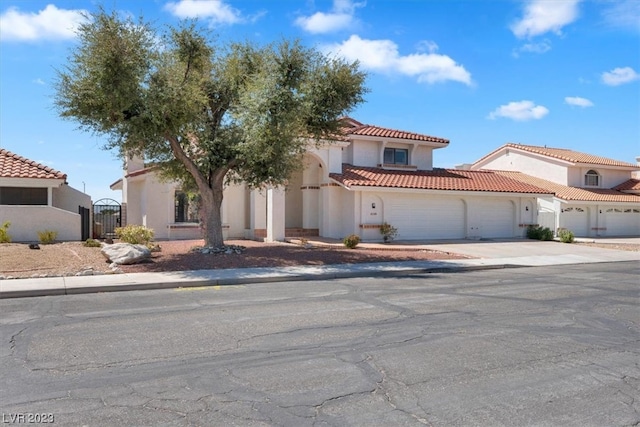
{"points": [[593, 195], [371, 175], [34, 197]]}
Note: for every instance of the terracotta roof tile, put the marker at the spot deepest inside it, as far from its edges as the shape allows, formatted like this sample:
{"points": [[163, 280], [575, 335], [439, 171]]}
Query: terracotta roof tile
{"points": [[629, 185], [369, 130], [437, 179], [15, 166], [566, 155], [573, 193]]}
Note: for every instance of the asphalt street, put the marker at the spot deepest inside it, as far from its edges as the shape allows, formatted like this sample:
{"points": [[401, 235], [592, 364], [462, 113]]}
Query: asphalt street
{"points": [[543, 346]]}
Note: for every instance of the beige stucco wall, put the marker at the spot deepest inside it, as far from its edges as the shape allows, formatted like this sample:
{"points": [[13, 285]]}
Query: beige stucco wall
{"points": [[422, 157], [68, 198], [512, 160], [26, 221]]}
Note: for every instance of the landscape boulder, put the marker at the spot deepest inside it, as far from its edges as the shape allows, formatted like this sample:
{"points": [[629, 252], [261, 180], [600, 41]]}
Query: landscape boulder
{"points": [[125, 253]]}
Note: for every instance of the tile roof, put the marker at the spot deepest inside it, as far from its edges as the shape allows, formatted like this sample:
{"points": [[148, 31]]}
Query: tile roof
{"points": [[629, 185], [566, 155], [354, 127], [15, 166], [573, 193], [437, 179]]}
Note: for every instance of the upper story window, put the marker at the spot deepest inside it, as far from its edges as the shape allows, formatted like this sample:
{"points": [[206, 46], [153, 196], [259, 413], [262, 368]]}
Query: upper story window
{"points": [[592, 179], [396, 156], [186, 208]]}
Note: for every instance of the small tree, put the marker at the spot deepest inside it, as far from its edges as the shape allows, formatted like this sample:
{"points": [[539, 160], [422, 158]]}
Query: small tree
{"points": [[205, 114]]}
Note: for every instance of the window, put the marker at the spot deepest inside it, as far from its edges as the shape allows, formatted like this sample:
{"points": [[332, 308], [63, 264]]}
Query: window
{"points": [[186, 207], [592, 179], [396, 156], [23, 196]]}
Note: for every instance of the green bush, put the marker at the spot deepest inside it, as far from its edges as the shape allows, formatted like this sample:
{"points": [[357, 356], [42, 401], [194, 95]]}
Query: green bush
{"points": [[537, 232], [91, 243], [566, 236], [135, 234], [47, 237], [4, 234], [388, 232], [351, 241]]}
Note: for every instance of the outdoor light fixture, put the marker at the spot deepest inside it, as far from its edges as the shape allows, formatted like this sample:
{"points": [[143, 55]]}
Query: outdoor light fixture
{"points": [[373, 205]]}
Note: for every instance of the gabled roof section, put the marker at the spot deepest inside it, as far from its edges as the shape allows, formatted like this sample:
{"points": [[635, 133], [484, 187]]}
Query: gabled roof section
{"points": [[352, 127], [564, 154], [437, 179], [629, 185], [567, 193], [15, 166]]}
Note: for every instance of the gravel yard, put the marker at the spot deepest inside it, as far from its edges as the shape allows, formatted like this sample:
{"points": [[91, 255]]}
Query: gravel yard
{"points": [[67, 259]]}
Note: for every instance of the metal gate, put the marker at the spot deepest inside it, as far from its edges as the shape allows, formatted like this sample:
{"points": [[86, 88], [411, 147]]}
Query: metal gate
{"points": [[107, 215], [84, 222]]}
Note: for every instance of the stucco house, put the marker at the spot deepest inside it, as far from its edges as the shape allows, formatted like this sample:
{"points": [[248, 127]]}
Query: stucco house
{"points": [[368, 176], [592, 195], [34, 197]]}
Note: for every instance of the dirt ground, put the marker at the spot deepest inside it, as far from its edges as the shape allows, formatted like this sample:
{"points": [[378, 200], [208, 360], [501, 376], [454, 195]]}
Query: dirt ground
{"points": [[71, 258]]}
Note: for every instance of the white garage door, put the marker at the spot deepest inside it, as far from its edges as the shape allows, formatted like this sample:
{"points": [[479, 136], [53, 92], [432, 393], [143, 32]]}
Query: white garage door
{"points": [[497, 218], [622, 221], [575, 219], [430, 218]]}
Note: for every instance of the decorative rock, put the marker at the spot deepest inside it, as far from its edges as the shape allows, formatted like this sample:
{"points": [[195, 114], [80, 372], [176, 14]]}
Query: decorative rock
{"points": [[125, 253], [34, 246], [226, 250], [85, 273]]}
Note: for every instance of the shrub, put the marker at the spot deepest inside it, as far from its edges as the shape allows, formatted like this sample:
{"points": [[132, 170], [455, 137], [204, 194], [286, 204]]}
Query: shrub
{"points": [[351, 241], [537, 232], [4, 234], [91, 243], [47, 237], [388, 232], [566, 236], [135, 234]]}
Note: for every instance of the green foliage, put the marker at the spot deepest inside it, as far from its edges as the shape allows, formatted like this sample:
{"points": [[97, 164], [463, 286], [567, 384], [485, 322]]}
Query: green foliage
{"points": [[4, 233], [202, 111], [388, 232], [47, 237], [351, 241], [91, 243], [537, 232], [566, 236], [135, 234]]}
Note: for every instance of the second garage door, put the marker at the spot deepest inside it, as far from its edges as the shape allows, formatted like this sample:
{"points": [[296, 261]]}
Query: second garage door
{"points": [[576, 219], [434, 218], [497, 218]]}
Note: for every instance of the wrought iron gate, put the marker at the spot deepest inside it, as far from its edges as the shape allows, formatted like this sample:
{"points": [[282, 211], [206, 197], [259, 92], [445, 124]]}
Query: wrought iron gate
{"points": [[107, 215]]}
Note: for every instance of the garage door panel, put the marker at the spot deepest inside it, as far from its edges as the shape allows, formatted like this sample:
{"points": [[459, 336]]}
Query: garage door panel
{"points": [[497, 218], [418, 219], [576, 219], [622, 221]]}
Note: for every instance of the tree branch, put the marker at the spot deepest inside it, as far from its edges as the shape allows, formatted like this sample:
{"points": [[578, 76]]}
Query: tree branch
{"points": [[179, 153]]}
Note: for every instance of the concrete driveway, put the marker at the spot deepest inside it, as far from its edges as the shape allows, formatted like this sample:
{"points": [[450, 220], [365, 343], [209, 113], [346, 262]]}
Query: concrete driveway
{"points": [[525, 248]]}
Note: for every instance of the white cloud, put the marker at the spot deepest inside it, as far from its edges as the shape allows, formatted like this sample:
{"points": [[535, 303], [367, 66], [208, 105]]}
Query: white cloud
{"points": [[340, 17], [216, 10], [619, 76], [39, 81], [541, 47], [383, 56], [578, 101], [623, 14], [542, 16], [49, 23], [520, 111]]}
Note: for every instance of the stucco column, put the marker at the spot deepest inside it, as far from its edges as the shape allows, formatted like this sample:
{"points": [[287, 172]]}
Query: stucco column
{"points": [[310, 205], [258, 214], [275, 215]]}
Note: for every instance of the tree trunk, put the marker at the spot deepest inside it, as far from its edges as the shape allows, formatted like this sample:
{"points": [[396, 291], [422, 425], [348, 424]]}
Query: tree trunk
{"points": [[212, 213]]}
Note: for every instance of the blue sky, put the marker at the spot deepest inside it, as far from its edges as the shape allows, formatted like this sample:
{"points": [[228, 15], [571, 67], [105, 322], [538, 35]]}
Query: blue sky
{"points": [[561, 73]]}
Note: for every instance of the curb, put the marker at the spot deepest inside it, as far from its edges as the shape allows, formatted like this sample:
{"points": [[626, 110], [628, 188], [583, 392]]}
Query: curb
{"points": [[175, 284]]}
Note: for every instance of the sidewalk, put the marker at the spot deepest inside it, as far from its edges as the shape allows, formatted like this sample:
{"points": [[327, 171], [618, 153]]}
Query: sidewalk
{"points": [[491, 255]]}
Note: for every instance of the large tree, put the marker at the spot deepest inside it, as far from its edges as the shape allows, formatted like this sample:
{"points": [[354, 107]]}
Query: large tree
{"points": [[205, 113]]}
